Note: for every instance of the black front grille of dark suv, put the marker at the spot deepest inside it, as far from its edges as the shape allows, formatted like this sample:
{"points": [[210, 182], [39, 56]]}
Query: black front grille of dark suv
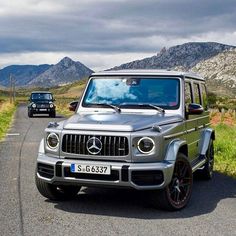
{"points": [[111, 145], [42, 105]]}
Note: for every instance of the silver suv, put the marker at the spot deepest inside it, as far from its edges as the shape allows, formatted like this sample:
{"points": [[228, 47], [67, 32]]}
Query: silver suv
{"points": [[147, 130]]}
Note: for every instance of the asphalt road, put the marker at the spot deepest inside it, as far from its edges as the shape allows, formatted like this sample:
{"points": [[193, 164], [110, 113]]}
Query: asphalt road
{"points": [[23, 211]]}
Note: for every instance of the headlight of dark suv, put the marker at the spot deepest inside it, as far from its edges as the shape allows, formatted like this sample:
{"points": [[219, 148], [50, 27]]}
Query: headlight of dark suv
{"points": [[51, 105], [145, 145]]}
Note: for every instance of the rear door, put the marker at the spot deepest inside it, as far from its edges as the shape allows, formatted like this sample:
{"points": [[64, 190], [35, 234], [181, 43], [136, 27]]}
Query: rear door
{"points": [[191, 122]]}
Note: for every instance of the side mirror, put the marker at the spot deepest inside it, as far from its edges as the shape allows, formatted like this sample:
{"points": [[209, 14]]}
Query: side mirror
{"points": [[73, 105], [195, 109], [53, 99]]}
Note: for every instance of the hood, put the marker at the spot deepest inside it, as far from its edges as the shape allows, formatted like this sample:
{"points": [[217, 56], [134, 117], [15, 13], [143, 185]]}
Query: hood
{"points": [[118, 121], [41, 101]]}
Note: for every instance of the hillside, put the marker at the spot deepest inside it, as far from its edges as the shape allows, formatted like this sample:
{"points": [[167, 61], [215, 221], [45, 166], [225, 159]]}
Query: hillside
{"points": [[220, 72], [186, 56], [64, 72], [22, 74]]}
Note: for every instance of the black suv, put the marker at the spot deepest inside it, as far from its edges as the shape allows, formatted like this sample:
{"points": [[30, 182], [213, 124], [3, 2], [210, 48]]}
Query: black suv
{"points": [[41, 103]]}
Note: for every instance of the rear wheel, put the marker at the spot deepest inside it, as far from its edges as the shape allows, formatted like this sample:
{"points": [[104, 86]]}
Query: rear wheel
{"points": [[176, 195], [207, 171], [54, 192]]}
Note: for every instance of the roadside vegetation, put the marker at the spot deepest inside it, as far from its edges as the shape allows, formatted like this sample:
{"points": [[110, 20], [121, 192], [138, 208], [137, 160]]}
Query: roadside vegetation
{"points": [[7, 111], [224, 124]]}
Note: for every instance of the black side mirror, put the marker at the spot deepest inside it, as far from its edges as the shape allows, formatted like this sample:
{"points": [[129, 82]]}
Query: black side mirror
{"points": [[195, 109], [73, 105]]}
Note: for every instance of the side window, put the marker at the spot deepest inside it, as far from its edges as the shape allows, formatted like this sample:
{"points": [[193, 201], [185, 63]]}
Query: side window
{"points": [[204, 97], [188, 94], [197, 93]]}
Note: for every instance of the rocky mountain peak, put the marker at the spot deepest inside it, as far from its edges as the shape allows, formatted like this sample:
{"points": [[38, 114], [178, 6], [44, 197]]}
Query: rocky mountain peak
{"points": [[163, 50], [66, 61]]}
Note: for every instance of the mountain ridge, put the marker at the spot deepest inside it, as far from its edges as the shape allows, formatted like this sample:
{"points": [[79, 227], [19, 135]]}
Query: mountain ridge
{"points": [[65, 71], [185, 55], [22, 74]]}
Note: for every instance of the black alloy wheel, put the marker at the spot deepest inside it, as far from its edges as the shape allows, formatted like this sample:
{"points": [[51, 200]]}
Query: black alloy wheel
{"points": [[180, 187], [177, 193]]}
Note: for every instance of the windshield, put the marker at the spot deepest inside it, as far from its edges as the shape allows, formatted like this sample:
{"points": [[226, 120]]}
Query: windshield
{"points": [[131, 92], [41, 96]]}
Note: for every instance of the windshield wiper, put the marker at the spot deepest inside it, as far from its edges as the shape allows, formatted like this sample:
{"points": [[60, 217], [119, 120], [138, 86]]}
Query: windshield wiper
{"points": [[144, 105], [116, 108]]}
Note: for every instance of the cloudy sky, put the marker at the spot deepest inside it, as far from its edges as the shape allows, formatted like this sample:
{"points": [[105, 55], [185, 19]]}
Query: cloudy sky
{"points": [[105, 33]]}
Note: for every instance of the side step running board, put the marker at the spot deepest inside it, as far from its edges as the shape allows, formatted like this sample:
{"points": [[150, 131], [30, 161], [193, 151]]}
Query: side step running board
{"points": [[199, 163]]}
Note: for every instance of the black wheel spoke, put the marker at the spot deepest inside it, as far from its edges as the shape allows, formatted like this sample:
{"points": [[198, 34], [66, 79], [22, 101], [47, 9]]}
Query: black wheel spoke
{"points": [[180, 185]]}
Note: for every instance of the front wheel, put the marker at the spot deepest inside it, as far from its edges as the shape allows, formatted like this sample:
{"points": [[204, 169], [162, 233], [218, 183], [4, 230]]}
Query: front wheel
{"points": [[176, 195], [30, 113], [52, 114], [54, 192]]}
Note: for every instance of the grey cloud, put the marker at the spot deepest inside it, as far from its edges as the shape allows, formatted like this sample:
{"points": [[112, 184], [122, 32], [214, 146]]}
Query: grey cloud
{"points": [[114, 26]]}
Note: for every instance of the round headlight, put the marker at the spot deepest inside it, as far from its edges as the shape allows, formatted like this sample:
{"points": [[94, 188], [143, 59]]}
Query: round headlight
{"points": [[52, 140], [51, 105], [34, 105], [146, 145]]}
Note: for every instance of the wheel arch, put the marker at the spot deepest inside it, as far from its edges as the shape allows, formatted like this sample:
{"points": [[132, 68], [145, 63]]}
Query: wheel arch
{"points": [[174, 147], [206, 136]]}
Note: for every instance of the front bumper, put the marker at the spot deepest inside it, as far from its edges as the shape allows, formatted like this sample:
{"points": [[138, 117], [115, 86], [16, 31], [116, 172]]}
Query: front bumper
{"points": [[141, 176]]}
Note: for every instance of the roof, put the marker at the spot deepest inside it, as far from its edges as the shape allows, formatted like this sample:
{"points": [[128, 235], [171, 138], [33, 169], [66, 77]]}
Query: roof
{"points": [[148, 72], [40, 92]]}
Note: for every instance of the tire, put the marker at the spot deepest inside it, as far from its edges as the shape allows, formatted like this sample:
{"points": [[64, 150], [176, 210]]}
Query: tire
{"points": [[52, 114], [207, 172], [30, 114], [176, 195], [54, 192]]}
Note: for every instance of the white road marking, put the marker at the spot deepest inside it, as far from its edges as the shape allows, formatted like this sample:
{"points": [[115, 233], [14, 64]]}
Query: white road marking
{"points": [[13, 134]]}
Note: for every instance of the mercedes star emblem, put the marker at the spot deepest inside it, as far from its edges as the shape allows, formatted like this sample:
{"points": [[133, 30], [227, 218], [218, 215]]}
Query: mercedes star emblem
{"points": [[94, 145]]}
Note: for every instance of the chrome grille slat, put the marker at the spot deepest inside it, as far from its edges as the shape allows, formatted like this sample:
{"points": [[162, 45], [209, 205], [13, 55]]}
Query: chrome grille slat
{"points": [[71, 143], [119, 146], [111, 145]]}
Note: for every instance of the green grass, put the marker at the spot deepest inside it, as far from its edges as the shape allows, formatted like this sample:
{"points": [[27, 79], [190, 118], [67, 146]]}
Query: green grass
{"points": [[225, 149], [6, 116], [62, 106]]}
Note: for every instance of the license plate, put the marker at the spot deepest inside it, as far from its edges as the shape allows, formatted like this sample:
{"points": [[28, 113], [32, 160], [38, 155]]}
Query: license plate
{"points": [[91, 169], [43, 109]]}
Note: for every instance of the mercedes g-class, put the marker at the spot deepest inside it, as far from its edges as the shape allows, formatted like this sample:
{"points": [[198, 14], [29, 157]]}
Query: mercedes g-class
{"points": [[41, 103], [142, 129]]}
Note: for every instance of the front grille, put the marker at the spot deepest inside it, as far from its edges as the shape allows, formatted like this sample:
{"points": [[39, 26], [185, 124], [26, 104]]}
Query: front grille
{"points": [[42, 105], [111, 145], [45, 170], [114, 176]]}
